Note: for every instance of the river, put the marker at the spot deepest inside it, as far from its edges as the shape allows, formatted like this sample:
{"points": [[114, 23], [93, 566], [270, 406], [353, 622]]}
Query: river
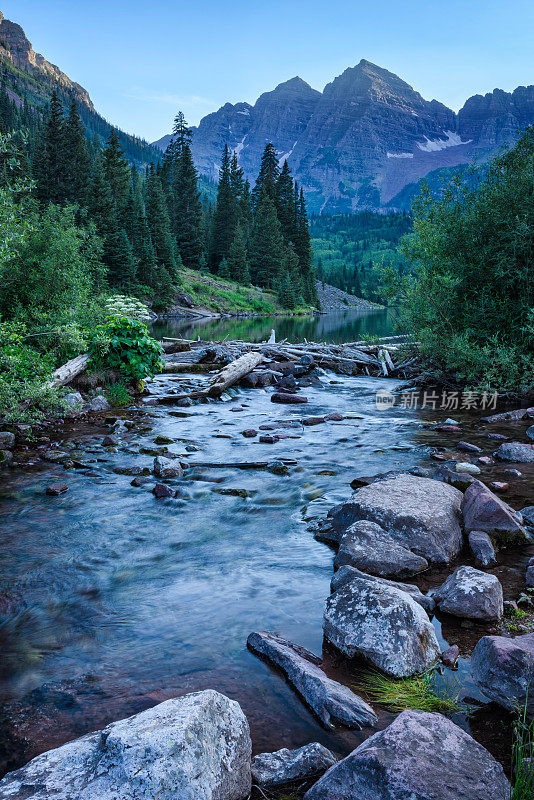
{"points": [[112, 600]]}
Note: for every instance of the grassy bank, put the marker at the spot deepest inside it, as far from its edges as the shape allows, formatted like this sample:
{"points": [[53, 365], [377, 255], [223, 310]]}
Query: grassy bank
{"points": [[228, 297]]}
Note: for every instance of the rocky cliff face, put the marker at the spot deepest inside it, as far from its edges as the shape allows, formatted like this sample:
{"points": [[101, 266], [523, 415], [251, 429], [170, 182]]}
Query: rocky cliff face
{"points": [[363, 139], [15, 47]]}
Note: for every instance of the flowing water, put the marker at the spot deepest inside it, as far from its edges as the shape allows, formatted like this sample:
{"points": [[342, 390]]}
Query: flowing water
{"points": [[113, 600]]}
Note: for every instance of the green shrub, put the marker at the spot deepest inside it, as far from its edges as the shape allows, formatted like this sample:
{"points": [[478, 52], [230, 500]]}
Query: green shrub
{"points": [[118, 395], [24, 372], [125, 344], [471, 301]]}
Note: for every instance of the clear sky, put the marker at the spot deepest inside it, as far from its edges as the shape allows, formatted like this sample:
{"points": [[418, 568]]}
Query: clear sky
{"points": [[141, 61]]}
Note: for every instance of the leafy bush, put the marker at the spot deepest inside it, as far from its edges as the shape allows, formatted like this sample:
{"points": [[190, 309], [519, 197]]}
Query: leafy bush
{"points": [[121, 305], [118, 395], [23, 376], [125, 344], [471, 302]]}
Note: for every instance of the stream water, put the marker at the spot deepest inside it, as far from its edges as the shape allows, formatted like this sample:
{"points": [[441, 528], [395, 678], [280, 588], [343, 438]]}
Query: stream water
{"points": [[112, 600]]}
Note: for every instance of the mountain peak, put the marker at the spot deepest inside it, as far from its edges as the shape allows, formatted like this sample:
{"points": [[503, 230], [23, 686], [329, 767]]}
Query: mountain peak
{"points": [[293, 87]]}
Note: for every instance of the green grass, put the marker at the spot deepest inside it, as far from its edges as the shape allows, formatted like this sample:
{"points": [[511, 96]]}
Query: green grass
{"points": [[118, 395], [420, 692], [523, 747]]}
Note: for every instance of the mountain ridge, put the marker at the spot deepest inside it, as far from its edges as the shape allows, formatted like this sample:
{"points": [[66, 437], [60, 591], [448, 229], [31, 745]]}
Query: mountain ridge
{"points": [[361, 141]]}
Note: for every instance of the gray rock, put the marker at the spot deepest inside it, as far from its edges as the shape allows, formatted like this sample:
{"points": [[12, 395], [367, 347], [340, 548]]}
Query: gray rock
{"points": [[421, 514], [420, 756], [529, 577], [482, 510], [327, 698], [7, 440], [528, 516], [450, 656], [195, 747], [110, 440], [382, 624], [73, 400], [503, 668], [471, 594], [530, 432], [482, 549], [466, 466], [507, 416], [285, 766], [167, 468], [467, 447], [98, 403], [368, 547], [515, 452], [345, 575], [6, 457]]}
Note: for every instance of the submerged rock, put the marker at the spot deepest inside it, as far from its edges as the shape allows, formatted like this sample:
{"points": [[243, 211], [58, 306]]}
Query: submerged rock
{"points": [[515, 452], [503, 668], [288, 399], [327, 698], [471, 594], [420, 756], [285, 766], [368, 547], [383, 625], [195, 747], [421, 514]]}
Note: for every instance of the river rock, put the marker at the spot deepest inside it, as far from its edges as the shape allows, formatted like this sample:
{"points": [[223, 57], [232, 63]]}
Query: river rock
{"points": [[467, 447], [527, 514], [98, 403], [466, 466], [110, 441], [327, 698], [195, 747], [73, 400], [167, 468], [55, 489], [7, 440], [383, 625], [508, 416], [250, 433], [161, 490], [420, 756], [484, 511], [285, 766], [482, 549], [515, 452], [368, 547], [530, 432], [313, 420], [334, 416], [421, 514], [345, 575], [503, 668], [288, 399], [529, 576], [450, 656], [471, 594]]}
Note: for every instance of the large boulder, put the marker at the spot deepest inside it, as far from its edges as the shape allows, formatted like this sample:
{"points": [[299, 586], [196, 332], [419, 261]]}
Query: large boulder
{"points": [[515, 452], [346, 574], [471, 594], [382, 624], [195, 747], [420, 756], [421, 514], [327, 698], [286, 766], [484, 511], [504, 670], [367, 546]]}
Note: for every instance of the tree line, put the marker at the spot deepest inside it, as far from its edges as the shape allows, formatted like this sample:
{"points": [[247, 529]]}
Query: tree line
{"points": [[155, 221]]}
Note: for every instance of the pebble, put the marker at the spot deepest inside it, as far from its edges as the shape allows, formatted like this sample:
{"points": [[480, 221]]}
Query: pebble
{"points": [[289, 399], [497, 436], [499, 486], [466, 466], [249, 433], [55, 489], [266, 439], [334, 416], [450, 657], [313, 420], [467, 447], [450, 421], [447, 428], [139, 481], [514, 473], [485, 460]]}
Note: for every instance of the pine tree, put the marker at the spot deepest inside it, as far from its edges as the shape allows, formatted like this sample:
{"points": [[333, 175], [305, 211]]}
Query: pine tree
{"points": [[77, 165], [224, 214], [285, 204], [158, 223], [303, 249], [268, 176], [266, 245], [223, 270], [48, 165], [238, 259], [186, 209], [117, 170]]}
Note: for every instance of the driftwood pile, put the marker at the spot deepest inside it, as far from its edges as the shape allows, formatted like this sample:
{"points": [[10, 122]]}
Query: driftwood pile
{"points": [[388, 358]]}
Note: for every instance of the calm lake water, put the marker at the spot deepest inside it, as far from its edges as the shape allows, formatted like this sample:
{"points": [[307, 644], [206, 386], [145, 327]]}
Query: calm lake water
{"points": [[339, 326], [112, 600]]}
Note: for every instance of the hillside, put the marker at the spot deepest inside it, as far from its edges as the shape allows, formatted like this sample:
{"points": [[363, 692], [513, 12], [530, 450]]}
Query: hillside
{"points": [[361, 141]]}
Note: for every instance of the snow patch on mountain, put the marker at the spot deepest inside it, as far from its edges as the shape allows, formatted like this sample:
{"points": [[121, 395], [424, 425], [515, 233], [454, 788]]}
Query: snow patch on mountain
{"points": [[435, 145], [400, 155], [285, 156]]}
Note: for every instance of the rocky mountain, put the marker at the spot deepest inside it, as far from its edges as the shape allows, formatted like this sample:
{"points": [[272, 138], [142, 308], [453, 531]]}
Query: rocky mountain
{"points": [[364, 139], [16, 48]]}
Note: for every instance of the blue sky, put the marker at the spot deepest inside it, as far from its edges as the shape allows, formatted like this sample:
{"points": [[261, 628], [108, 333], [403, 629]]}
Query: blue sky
{"points": [[142, 61]]}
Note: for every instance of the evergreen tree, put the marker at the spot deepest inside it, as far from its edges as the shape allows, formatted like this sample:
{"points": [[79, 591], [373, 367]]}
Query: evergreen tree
{"points": [[158, 223], [224, 214], [117, 170], [303, 249], [76, 160], [223, 270], [237, 257], [268, 176], [267, 244], [48, 166], [285, 204], [186, 209]]}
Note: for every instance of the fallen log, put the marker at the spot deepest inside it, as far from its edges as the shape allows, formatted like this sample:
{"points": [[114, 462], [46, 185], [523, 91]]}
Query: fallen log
{"points": [[223, 380], [66, 373]]}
